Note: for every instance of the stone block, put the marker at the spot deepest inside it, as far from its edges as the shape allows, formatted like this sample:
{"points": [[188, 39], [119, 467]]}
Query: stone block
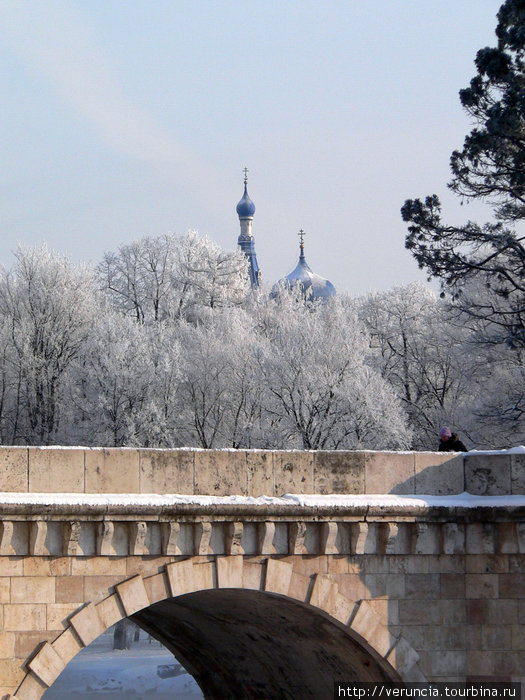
{"points": [[259, 472], [481, 586], [278, 576], [293, 472], [488, 474], [229, 572], [487, 564], [145, 566], [26, 643], [14, 469], [452, 586], [11, 566], [47, 664], [417, 612], [96, 588], [112, 470], [403, 657], [517, 466], [511, 586], [253, 575], [30, 688], [422, 586], [299, 587], [502, 612], [133, 595], [110, 610], [58, 614], [56, 471], [308, 565], [496, 637], [342, 608], [518, 637], [339, 472], [453, 611], [37, 589], [324, 592], [477, 611], [352, 586], [439, 473], [166, 471], [47, 566], [180, 576], [7, 645], [389, 472], [69, 589], [221, 472], [67, 645], [87, 624], [24, 617], [98, 566], [204, 576], [5, 590], [367, 623], [157, 587], [11, 672]]}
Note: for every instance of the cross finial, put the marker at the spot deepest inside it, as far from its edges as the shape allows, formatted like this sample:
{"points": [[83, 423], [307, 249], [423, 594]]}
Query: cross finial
{"points": [[301, 235], [245, 176]]}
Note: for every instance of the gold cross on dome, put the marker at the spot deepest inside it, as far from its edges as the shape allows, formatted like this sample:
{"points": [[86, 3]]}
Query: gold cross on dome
{"points": [[301, 235], [245, 176]]}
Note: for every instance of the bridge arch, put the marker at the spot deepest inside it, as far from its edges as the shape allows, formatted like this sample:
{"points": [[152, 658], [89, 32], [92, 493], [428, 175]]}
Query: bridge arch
{"points": [[199, 595]]}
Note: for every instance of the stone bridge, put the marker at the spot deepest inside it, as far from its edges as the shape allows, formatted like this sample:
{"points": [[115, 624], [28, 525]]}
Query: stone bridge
{"points": [[260, 595]]}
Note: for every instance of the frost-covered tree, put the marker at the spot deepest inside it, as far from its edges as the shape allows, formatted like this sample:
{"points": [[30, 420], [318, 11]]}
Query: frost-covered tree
{"points": [[127, 382], [426, 359], [207, 276], [320, 389], [139, 277], [47, 303], [156, 278]]}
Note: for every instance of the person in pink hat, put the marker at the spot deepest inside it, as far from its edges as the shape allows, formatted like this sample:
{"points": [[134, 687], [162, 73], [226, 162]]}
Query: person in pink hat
{"points": [[449, 441]]}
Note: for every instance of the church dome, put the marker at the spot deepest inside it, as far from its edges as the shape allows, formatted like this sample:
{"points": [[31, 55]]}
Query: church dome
{"points": [[245, 208], [313, 286]]}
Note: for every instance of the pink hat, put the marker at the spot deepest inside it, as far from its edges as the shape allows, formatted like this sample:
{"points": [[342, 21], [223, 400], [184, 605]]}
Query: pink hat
{"points": [[445, 432]]}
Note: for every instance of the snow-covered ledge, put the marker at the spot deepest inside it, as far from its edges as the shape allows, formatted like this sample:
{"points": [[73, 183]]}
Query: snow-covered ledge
{"points": [[127, 525]]}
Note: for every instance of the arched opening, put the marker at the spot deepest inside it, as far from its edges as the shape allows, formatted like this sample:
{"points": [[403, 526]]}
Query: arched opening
{"points": [[124, 662], [252, 644]]}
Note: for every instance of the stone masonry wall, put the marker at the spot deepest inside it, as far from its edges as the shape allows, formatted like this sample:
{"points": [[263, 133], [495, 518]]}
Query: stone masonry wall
{"points": [[442, 588], [256, 472]]}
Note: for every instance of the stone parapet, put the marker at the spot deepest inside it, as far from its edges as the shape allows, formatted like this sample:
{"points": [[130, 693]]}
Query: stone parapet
{"points": [[257, 472]]}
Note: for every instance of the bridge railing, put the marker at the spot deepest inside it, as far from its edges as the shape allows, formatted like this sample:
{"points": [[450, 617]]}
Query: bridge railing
{"points": [[257, 472]]}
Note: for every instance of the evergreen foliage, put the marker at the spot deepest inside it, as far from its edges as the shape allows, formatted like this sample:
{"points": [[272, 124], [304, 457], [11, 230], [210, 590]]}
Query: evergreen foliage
{"points": [[490, 167]]}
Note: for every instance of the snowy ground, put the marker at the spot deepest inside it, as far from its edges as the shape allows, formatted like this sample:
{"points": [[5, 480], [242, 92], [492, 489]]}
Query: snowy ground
{"points": [[98, 671]]}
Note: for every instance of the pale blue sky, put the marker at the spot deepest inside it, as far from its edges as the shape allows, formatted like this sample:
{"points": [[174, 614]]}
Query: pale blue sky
{"points": [[128, 118]]}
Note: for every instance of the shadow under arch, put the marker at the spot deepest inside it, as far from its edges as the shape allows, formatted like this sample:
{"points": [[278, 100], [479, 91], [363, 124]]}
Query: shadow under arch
{"points": [[305, 637], [250, 644]]}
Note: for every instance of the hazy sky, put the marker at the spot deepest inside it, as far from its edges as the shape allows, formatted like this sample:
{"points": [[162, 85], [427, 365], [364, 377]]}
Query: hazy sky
{"points": [[126, 118]]}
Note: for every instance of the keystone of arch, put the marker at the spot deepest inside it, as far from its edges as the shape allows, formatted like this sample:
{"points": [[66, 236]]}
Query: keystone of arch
{"points": [[190, 575]]}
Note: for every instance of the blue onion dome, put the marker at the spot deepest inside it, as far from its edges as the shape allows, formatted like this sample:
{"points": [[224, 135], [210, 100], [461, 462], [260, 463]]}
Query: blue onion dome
{"points": [[312, 285], [245, 208]]}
